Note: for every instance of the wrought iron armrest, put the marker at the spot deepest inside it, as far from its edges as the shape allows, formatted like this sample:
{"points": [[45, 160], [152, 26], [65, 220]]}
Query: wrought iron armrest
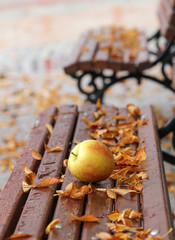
{"points": [[163, 131]]}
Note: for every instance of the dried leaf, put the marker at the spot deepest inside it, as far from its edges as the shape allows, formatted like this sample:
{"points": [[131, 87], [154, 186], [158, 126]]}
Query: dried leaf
{"points": [[55, 149], [120, 173], [49, 127], [73, 192], [91, 124], [51, 225], [98, 104], [118, 191], [25, 186], [133, 110], [104, 235], [118, 117], [30, 174], [84, 218], [111, 194], [170, 174], [36, 155], [171, 189], [49, 181], [19, 235]]}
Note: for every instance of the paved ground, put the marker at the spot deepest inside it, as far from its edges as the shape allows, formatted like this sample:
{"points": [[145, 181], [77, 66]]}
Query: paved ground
{"points": [[34, 32]]}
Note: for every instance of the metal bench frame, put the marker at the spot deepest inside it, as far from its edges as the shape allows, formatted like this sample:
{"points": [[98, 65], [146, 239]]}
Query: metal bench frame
{"points": [[163, 58]]}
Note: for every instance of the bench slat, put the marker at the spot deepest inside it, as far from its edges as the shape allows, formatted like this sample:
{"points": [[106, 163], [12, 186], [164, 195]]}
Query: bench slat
{"points": [[167, 30], [12, 196], [129, 200], [69, 228], [169, 12], [99, 203], [71, 65], [155, 202], [85, 60], [38, 207]]}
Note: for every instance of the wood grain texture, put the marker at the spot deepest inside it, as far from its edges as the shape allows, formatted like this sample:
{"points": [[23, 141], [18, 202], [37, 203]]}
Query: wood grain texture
{"points": [[155, 200], [38, 207], [98, 203], [12, 196], [70, 228]]}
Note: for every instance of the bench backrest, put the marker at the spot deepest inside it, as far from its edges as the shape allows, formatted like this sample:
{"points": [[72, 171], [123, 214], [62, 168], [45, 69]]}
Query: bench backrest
{"points": [[166, 16]]}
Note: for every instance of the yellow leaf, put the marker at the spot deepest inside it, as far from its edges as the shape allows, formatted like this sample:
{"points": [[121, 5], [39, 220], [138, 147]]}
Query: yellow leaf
{"points": [[104, 235], [18, 235], [36, 155], [49, 181], [84, 218], [51, 225], [55, 149], [111, 194], [49, 127], [25, 186], [30, 174]]}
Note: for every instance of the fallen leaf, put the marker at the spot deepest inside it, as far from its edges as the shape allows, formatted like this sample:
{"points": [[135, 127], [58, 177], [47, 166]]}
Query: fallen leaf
{"points": [[91, 124], [55, 149], [26, 186], [18, 235], [51, 225], [72, 191], [49, 127], [84, 218], [36, 155], [30, 174], [49, 181], [104, 235]]}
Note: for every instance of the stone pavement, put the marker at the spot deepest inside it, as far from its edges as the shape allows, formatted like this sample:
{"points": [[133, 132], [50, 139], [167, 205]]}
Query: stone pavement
{"points": [[36, 35]]}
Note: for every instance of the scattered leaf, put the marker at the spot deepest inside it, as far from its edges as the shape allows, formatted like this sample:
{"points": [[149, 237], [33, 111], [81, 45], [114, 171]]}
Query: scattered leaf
{"points": [[55, 149], [51, 225], [49, 127], [48, 181], [36, 155], [84, 218], [18, 235], [30, 174]]}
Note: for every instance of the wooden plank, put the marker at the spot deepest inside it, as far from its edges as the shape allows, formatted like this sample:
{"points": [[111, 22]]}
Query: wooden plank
{"points": [[86, 60], [155, 200], [169, 12], [38, 207], [167, 30], [101, 57], [142, 60], [71, 64], [69, 228], [99, 203], [129, 200], [12, 196], [172, 3]]}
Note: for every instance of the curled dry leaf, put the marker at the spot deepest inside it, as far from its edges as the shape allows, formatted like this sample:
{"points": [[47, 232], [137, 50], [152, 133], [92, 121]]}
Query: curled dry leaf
{"points": [[49, 181], [26, 186], [118, 191], [91, 124], [55, 149], [115, 227], [119, 117], [133, 110], [119, 174], [51, 225], [18, 235], [30, 174], [72, 191], [49, 127], [104, 235], [84, 218], [36, 155]]}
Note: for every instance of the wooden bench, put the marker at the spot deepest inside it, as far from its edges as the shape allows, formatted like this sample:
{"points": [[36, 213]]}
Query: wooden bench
{"points": [[127, 53], [30, 212]]}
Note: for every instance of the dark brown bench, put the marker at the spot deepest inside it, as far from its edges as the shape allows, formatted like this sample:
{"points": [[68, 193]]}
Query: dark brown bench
{"points": [[126, 52], [30, 212]]}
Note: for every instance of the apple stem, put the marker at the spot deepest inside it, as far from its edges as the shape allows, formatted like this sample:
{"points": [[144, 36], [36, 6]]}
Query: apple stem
{"points": [[74, 154]]}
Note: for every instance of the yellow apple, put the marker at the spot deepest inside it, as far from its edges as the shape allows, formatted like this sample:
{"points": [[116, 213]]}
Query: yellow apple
{"points": [[91, 161]]}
